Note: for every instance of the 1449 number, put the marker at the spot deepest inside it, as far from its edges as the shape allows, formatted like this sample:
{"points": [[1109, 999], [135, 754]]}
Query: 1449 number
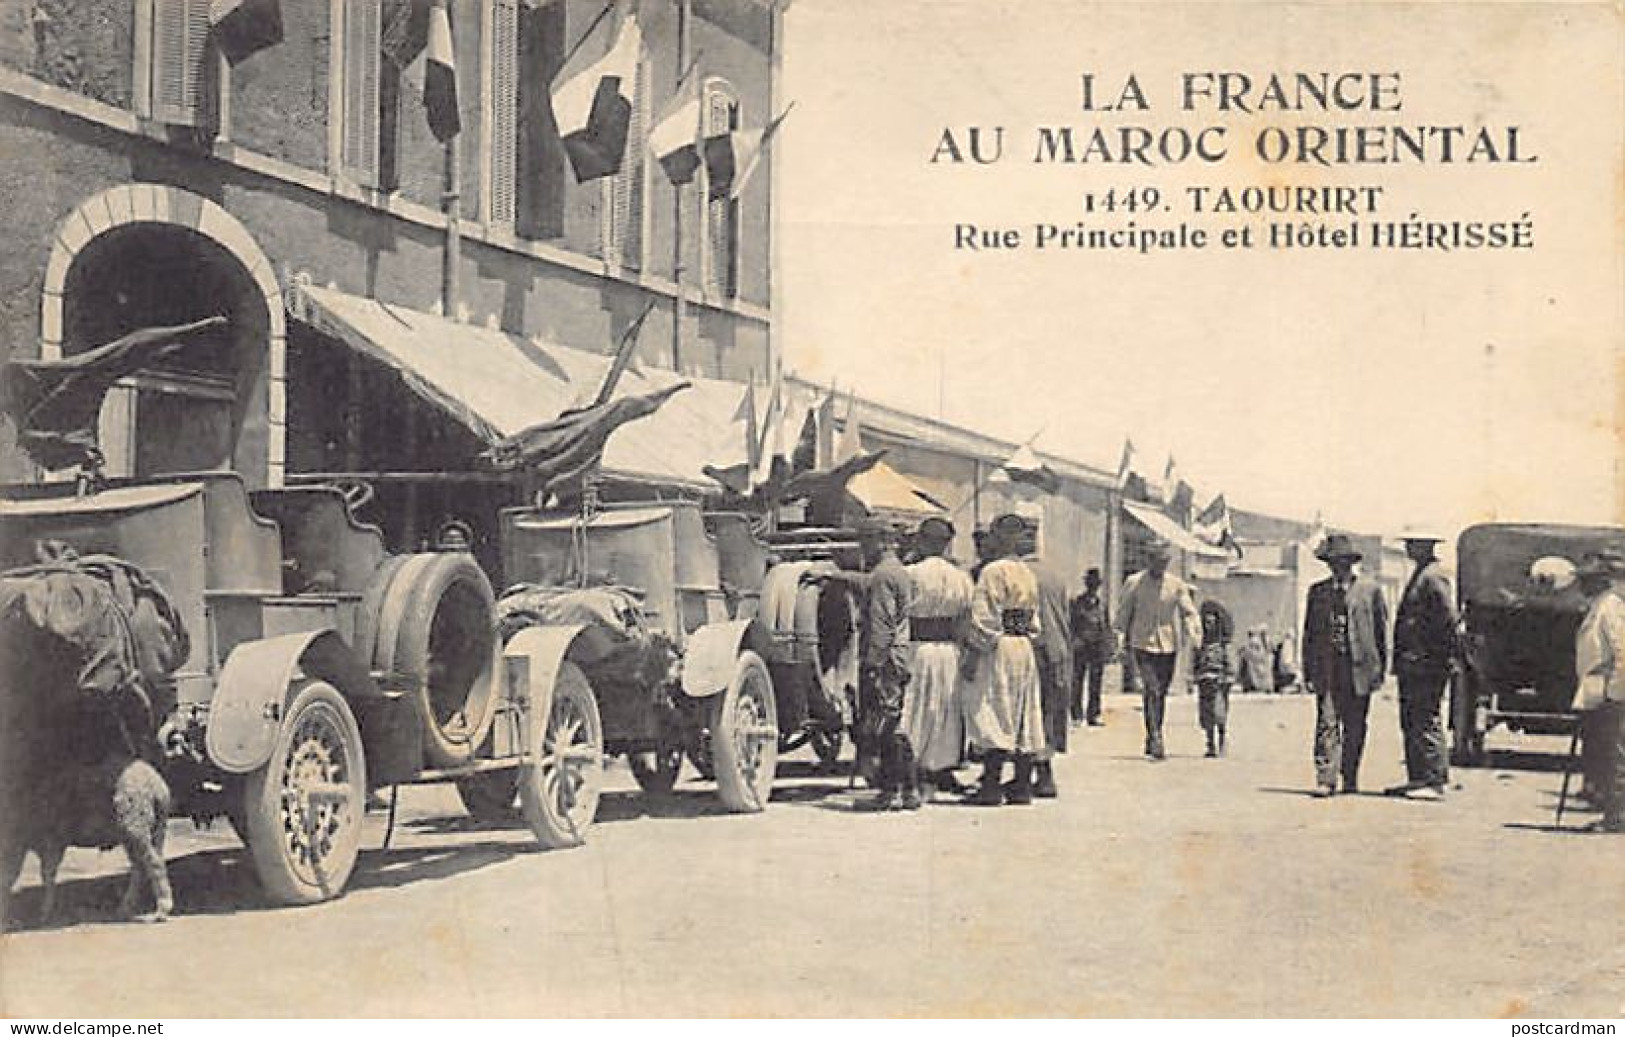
{"points": [[1133, 199]]}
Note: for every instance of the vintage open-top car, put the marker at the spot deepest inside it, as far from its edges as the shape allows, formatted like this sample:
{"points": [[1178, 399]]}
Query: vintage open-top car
{"points": [[1520, 611]]}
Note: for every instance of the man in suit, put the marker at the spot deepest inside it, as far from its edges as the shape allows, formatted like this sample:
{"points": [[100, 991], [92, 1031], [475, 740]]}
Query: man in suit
{"points": [[1424, 653], [1093, 643], [1345, 655]]}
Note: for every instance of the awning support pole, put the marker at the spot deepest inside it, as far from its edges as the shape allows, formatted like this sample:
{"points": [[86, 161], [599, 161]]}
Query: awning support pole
{"points": [[451, 202]]}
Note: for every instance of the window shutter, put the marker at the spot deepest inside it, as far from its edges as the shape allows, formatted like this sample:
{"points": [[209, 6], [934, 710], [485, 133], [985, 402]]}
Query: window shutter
{"points": [[361, 72], [629, 200], [504, 142], [721, 115], [180, 31]]}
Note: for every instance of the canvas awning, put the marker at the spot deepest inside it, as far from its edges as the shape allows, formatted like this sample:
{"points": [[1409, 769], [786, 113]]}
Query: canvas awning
{"points": [[884, 488], [1181, 538], [497, 384]]}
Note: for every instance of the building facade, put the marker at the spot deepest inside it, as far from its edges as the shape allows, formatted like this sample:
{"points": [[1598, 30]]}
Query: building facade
{"points": [[149, 182]]}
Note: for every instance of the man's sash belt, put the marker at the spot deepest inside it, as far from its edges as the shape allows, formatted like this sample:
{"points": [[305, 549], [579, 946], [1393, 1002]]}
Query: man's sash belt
{"points": [[936, 629], [1017, 622]]}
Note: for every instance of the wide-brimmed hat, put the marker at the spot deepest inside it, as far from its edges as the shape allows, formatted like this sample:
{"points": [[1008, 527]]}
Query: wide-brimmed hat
{"points": [[1337, 545], [1422, 535], [1159, 548], [1606, 561]]}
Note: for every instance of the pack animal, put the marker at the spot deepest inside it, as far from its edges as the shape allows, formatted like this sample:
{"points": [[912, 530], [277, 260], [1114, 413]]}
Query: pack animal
{"points": [[76, 767]]}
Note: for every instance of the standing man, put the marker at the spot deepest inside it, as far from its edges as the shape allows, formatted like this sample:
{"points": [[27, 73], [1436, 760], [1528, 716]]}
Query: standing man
{"points": [[1158, 620], [885, 670], [1093, 643], [1345, 655], [1424, 656], [933, 719], [1600, 696], [1052, 646], [1003, 714]]}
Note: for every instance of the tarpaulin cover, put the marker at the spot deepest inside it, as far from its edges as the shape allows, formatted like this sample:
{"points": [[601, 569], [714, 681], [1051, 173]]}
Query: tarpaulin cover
{"points": [[114, 619], [884, 488], [1179, 537], [497, 384]]}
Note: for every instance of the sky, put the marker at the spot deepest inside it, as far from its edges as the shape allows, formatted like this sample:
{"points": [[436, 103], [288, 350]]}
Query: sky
{"points": [[1381, 389]]}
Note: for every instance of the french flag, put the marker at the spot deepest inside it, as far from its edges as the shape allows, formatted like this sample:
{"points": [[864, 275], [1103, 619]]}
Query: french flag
{"points": [[440, 77], [730, 158], [675, 139], [592, 105]]}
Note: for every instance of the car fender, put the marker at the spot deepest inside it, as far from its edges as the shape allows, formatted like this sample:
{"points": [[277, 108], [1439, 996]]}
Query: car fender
{"points": [[246, 709], [710, 654], [543, 649]]}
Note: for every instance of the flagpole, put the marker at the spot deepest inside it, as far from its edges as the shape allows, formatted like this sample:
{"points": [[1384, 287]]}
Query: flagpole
{"points": [[587, 34], [451, 201], [680, 299]]}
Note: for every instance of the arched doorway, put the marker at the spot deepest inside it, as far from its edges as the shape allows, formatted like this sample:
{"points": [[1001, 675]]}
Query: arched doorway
{"points": [[145, 256]]}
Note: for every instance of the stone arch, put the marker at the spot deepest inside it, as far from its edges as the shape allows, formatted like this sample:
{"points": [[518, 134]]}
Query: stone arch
{"points": [[130, 204]]}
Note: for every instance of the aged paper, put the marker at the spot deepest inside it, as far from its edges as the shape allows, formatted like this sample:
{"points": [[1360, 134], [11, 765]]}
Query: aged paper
{"points": [[1346, 266]]}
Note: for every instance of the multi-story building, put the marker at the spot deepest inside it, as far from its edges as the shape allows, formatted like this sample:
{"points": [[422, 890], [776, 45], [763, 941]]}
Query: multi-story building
{"points": [[148, 181]]}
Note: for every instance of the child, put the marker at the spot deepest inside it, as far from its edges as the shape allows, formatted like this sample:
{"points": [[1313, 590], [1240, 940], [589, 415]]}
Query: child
{"points": [[1212, 670]]}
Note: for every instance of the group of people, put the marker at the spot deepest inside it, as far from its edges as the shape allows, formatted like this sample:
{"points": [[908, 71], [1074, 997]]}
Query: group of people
{"points": [[955, 662], [993, 664]]}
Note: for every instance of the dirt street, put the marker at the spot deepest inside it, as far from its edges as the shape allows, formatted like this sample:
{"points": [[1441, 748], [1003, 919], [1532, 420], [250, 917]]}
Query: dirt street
{"points": [[1191, 887]]}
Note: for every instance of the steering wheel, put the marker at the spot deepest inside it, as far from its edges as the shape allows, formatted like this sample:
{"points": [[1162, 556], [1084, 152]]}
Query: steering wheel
{"points": [[357, 493]]}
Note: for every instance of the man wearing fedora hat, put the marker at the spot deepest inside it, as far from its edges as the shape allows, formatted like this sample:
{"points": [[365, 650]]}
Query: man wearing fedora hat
{"points": [[1345, 656], [1158, 619], [1600, 696], [1424, 654]]}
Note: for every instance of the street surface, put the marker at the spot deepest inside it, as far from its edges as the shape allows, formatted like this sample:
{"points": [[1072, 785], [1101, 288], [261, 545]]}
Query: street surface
{"points": [[1191, 887]]}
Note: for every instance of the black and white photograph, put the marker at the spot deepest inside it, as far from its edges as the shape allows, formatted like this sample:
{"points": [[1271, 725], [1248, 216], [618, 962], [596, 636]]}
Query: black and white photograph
{"points": [[792, 509]]}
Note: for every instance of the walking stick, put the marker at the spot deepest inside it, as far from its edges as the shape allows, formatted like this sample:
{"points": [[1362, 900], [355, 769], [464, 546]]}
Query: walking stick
{"points": [[1568, 772]]}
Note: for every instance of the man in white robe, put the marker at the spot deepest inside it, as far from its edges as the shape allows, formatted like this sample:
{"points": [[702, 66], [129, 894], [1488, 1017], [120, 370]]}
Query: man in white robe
{"points": [[1003, 711], [932, 715]]}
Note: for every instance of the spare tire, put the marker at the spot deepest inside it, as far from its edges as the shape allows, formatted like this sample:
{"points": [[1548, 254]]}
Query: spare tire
{"points": [[437, 630]]}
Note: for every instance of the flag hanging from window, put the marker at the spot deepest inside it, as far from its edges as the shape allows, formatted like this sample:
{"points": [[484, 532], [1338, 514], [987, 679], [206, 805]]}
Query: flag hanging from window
{"points": [[405, 30], [675, 139], [1214, 526], [592, 105], [243, 28], [440, 78], [730, 158]]}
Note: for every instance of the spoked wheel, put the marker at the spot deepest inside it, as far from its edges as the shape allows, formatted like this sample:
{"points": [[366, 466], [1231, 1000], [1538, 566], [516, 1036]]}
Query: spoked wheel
{"points": [[745, 736], [559, 788], [304, 807], [826, 744], [656, 770], [490, 796]]}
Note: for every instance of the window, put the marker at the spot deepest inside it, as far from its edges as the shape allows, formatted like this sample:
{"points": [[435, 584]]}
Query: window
{"points": [[721, 259], [172, 83], [623, 192]]}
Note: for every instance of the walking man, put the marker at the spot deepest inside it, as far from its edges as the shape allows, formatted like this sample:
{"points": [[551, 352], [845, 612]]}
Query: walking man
{"points": [[1052, 647], [940, 607], [1424, 656], [1601, 693], [1093, 644], [1157, 616], [1345, 655], [885, 671], [1003, 714]]}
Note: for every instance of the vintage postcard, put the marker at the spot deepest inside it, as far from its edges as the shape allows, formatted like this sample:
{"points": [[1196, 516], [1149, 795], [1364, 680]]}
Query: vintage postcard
{"points": [[936, 508]]}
